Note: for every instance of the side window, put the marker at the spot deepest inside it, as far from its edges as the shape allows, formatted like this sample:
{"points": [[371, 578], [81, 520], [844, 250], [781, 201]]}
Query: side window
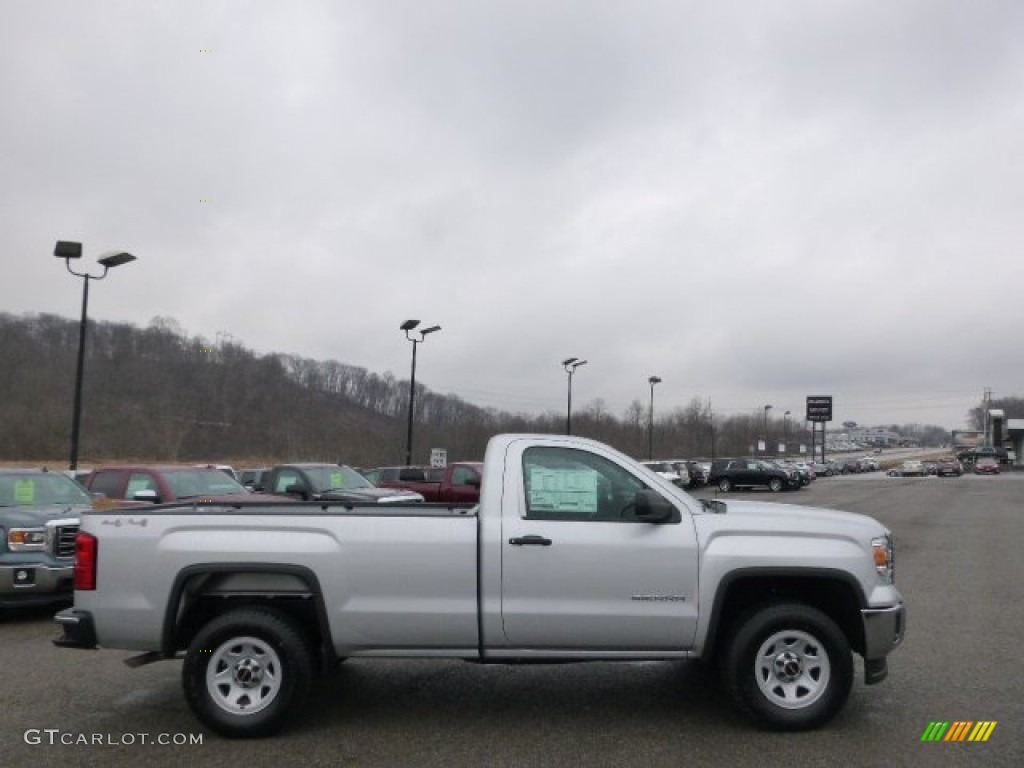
{"points": [[140, 481], [571, 484], [373, 475], [106, 483], [463, 475], [285, 478]]}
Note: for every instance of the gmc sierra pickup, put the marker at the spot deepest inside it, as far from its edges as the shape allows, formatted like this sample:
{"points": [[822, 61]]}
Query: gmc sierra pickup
{"points": [[575, 552], [39, 513]]}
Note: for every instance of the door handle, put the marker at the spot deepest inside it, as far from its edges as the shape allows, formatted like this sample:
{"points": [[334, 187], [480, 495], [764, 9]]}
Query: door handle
{"points": [[532, 540]]}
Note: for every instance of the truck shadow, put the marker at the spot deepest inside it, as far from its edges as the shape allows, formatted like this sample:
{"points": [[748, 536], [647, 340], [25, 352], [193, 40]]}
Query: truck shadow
{"points": [[422, 694]]}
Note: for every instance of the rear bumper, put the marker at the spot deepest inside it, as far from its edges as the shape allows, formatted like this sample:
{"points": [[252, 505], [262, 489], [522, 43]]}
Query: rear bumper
{"points": [[884, 629], [78, 629], [35, 584]]}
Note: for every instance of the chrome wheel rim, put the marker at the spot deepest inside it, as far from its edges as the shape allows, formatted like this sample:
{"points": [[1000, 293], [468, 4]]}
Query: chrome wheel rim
{"points": [[792, 669], [244, 675]]}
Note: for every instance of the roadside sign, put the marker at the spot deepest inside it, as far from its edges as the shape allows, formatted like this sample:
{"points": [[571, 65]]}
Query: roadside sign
{"points": [[438, 458], [819, 408]]}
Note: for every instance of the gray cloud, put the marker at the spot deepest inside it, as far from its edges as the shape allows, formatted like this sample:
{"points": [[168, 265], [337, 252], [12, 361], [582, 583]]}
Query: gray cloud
{"points": [[756, 202]]}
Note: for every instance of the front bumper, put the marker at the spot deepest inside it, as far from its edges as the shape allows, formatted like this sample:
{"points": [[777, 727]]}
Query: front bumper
{"points": [[884, 629], [35, 584], [79, 631]]}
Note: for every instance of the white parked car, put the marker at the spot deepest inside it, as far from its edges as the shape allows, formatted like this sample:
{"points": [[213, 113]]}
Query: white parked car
{"points": [[910, 468], [667, 471]]}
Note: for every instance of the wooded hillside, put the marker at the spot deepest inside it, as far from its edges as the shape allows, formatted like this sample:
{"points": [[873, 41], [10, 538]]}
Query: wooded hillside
{"points": [[157, 394]]}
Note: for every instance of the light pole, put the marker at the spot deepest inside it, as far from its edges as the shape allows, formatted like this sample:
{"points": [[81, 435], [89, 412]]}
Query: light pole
{"points": [[408, 326], [766, 409], [650, 428], [570, 364], [68, 250], [785, 432]]}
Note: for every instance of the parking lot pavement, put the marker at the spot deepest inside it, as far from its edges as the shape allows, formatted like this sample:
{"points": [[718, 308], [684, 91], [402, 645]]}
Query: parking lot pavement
{"points": [[958, 563]]}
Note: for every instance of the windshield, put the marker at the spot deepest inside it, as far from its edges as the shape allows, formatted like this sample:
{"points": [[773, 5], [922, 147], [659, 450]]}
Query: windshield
{"points": [[202, 482], [40, 489], [336, 478]]}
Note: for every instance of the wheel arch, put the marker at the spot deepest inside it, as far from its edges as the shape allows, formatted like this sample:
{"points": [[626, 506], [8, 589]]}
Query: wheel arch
{"points": [[202, 591], [834, 592]]}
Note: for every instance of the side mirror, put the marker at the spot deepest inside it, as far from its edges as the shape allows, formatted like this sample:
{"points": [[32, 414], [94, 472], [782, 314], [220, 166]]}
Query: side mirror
{"points": [[652, 507], [151, 496]]}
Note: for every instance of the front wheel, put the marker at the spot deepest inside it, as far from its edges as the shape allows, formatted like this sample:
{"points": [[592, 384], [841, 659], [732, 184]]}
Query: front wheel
{"points": [[775, 485], [789, 667], [246, 672]]}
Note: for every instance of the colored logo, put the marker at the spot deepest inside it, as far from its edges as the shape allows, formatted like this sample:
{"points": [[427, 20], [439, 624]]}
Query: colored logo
{"points": [[959, 730]]}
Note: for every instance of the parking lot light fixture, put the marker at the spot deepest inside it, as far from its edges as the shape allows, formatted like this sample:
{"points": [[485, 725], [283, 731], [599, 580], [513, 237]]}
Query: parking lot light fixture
{"points": [[570, 364], [67, 250], [408, 326], [650, 424]]}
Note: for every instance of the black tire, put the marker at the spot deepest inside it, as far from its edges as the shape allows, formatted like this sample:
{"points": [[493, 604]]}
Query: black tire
{"points": [[795, 641], [775, 485], [725, 485], [246, 672]]}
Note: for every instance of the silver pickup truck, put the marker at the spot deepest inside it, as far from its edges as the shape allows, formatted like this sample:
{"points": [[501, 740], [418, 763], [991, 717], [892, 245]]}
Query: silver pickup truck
{"points": [[575, 552]]}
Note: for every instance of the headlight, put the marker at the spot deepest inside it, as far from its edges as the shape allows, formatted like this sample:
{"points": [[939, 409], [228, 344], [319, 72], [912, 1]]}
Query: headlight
{"points": [[884, 556], [26, 539]]}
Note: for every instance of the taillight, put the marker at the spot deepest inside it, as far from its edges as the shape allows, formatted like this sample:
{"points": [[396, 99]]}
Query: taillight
{"points": [[86, 550]]}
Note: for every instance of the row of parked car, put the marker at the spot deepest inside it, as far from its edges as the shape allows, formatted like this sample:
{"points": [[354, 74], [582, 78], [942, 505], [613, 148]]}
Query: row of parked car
{"points": [[946, 467], [40, 510], [735, 473], [456, 483]]}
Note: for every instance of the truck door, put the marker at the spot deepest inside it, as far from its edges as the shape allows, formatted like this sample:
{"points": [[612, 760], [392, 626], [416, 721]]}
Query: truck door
{"points": [[464, 487], [580, 572]]}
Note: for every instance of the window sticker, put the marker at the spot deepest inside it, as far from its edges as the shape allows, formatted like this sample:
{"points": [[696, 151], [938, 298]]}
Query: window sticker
{"points": [[137, 484], [563, 490], [24, 491], [337, 480]]}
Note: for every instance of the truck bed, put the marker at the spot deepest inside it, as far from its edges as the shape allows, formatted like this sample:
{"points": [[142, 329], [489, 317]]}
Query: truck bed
{"points": [[425, 593]]}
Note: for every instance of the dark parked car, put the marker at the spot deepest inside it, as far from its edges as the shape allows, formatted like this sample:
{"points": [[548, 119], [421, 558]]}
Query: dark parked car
{"points": [[949, 468], [731, 474], [698, 474], [851, 467], [254, 479], [332, 482]]}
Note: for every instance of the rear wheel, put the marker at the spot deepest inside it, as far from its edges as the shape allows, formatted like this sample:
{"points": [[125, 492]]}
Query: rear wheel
{"points": [[789, 667], [775, 485], [725, 485], [246, 672]]}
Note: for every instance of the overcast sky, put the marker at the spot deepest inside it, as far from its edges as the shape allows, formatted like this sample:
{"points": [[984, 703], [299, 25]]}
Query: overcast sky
{"points": [[755, 201]]}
